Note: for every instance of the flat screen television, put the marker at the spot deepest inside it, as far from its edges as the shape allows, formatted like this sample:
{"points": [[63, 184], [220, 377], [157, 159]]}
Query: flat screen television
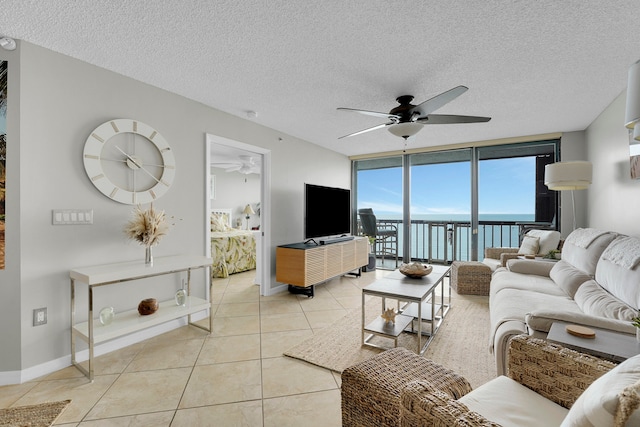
{"points": [[327, 211]]}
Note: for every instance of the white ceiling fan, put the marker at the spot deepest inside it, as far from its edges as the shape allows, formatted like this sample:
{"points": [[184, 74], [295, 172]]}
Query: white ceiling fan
{"points": [[245, 165]]}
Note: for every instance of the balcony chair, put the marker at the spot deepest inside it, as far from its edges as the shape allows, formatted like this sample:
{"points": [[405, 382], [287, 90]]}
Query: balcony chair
{"points": [[385, 236]]}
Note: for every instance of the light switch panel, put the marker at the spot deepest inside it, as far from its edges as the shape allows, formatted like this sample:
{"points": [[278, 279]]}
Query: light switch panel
{"points": [[72, 216]]}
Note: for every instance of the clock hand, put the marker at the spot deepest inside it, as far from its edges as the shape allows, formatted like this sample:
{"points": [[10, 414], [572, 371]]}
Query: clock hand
{"points": [[131, 159], [139, 166], [113, 160]]}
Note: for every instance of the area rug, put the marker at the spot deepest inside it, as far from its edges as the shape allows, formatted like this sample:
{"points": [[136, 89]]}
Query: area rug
{"points": [[461, 344], [41, 415]]}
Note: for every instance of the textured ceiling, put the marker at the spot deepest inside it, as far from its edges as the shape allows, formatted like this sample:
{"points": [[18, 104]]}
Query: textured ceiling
{"points": [[533, 66]]}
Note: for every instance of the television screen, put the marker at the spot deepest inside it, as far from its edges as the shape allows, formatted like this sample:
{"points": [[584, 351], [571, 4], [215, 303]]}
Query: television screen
{"points": [[327, 211]]}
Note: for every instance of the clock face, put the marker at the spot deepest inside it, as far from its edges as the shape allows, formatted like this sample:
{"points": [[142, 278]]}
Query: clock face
{"points": [[129, 161]]}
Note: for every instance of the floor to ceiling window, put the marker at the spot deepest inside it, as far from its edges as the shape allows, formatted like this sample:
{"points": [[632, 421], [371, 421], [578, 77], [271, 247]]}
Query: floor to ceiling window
{"points": [[450, 205], [378, 184], [440, 205], [512, 196]]}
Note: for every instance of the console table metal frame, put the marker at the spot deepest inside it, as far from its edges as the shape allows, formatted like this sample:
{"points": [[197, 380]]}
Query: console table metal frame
{"points": [[109, 274], [417, 295]]}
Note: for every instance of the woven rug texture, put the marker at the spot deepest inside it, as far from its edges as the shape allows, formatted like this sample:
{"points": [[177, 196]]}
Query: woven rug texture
{"points": [[40, 415], [461, 344]]}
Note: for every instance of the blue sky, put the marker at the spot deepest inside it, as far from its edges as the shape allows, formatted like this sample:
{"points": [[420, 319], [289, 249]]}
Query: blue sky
{"points": [[507, 186]]}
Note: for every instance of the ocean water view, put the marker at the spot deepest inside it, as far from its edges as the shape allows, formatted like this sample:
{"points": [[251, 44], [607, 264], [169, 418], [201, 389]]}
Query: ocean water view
{"points": [[447, 237]]}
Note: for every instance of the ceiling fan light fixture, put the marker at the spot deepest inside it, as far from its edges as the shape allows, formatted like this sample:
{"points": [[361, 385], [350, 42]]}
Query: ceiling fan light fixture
{"points": [[405, 130]]}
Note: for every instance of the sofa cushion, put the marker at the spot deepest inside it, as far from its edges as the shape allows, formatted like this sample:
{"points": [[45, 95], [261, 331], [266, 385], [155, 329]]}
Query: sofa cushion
{"points": [[507, 279], [598, 404], [509, 403], [595, 301], [567, 277], [585, 258], [492, 263], [528, 266], [529, 245], [514, 304], [549, 240], [541, 320], [620, 281]]}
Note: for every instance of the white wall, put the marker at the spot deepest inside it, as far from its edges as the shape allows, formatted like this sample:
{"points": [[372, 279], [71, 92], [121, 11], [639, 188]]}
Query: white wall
{"points": [[234, 191], [10, 277], [59, 102], [614, 198]]}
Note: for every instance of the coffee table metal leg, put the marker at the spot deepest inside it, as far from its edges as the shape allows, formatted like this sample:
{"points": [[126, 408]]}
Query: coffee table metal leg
{"points": [[363, 324], [420, 327]]}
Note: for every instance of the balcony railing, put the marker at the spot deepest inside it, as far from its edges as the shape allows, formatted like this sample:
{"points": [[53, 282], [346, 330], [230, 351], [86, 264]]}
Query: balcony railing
{"points": [[447, 241]]}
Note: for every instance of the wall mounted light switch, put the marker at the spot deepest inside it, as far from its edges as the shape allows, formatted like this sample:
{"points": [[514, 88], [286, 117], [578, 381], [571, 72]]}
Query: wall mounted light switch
{"points": [[72, 216]]}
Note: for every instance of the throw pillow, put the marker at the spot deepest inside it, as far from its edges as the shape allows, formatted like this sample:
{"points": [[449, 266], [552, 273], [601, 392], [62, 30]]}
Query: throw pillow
{"points": [[595, 301], [529, 245], [598, 404], [567, 277], [526, 266], [219, 222], [549, 240]]}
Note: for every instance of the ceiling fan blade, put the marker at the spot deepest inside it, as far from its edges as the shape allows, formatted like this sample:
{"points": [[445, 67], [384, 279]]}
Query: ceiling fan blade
{"points": [[367, 130], [371, 113], [438, 101], [233, 168], [446, 119]]}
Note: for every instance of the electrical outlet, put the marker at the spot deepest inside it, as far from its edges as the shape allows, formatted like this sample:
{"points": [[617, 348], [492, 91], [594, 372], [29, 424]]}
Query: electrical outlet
{"points": [[40, 316]]}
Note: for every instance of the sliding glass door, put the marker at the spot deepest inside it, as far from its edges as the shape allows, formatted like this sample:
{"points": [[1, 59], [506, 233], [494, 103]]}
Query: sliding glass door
{"points": [[440, 205], [378, 186], [512, 197], [450, 205]]}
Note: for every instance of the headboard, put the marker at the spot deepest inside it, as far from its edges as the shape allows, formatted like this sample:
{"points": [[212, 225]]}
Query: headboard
{"points": [[226, 212]]}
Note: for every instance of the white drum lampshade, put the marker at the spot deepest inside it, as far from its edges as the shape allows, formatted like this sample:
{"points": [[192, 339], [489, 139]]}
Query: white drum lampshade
{"points": [[562, 176]]}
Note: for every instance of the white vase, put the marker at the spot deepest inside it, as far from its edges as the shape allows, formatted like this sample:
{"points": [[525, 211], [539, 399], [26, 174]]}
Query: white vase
{"points": [[638, 335]]}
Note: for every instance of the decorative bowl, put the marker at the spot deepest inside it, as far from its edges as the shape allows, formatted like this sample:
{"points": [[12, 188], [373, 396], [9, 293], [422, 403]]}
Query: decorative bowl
{"points": [[148, 306], [415, 270]]}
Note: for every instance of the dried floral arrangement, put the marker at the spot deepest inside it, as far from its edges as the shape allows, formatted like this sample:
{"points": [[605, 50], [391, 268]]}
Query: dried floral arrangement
{"points": [[147, 226]]}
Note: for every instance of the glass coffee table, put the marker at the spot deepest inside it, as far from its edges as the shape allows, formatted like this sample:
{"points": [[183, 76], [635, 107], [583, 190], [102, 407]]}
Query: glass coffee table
{"points": [[420, 304]]}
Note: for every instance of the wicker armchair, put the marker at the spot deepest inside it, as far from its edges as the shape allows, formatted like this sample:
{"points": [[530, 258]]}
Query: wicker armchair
{"points": [[371, 389], [554, 372], [501, 254], [498, 256]]}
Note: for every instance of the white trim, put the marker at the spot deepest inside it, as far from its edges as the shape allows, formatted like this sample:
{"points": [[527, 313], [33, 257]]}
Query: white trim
{"points": [[20, 377], [265, 204]]}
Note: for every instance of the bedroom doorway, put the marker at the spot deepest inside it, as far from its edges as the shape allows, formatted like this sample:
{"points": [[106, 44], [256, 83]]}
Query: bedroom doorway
{"points": [[237, 179]]}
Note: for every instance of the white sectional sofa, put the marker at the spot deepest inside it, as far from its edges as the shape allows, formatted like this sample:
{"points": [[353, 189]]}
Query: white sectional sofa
{"points": [[596, 283]]}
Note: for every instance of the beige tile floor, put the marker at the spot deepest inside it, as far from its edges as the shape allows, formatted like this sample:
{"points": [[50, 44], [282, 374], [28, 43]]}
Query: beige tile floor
{"points": [[236, 376]]}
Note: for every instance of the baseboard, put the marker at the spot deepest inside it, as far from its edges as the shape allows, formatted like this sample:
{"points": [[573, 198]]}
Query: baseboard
{"points": [[46, 368], [277, 290]]}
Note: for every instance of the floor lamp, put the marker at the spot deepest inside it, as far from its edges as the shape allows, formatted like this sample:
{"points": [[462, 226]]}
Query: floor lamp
{"points": [[562, 176]]}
